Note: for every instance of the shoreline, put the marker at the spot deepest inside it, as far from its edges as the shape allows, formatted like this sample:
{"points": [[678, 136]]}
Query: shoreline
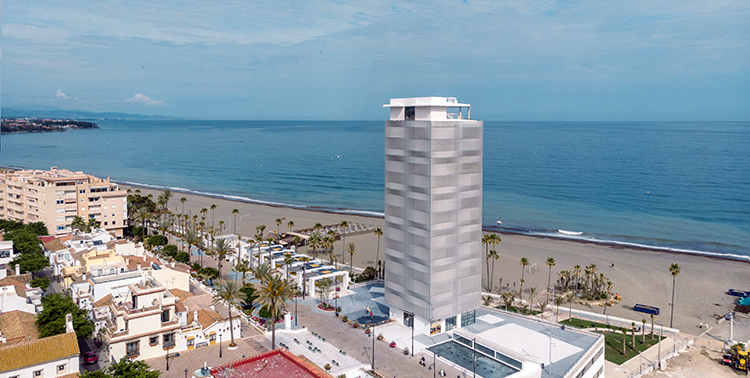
{"points": [[640, 275], [486, 229]]}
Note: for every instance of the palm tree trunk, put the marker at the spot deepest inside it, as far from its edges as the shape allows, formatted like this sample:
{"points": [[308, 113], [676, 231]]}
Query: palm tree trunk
{"points": [[231, 326], [273, 333], [377, 254], [671, 316]]}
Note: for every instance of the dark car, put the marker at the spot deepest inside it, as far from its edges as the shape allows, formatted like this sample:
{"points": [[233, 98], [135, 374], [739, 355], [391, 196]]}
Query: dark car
{"points": [[90, 358]]}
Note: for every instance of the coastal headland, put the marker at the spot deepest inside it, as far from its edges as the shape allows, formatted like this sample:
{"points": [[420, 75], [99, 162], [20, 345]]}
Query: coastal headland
{"points": [[639, 275]]}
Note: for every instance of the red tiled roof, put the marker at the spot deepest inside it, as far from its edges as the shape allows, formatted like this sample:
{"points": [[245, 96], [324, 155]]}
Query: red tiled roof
{"points": [[276, 363], [47, 238]]}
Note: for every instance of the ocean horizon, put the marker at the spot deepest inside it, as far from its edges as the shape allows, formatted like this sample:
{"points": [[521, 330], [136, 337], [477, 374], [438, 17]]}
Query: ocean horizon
{"points": [[674, 186]]}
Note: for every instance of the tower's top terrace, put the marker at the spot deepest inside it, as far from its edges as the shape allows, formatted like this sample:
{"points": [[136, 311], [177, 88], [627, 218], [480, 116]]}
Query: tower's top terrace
{"points": [[427, 109]]}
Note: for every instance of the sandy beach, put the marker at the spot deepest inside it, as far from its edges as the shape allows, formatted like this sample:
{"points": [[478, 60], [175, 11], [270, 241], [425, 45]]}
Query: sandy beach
{"points": [[639, 276]]}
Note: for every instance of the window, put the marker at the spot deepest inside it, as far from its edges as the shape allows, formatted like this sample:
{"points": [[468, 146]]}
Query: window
{"points": [[212, 337], [132, 349], [153, 340], [38, 373], [60, 368], [60, 202], [467, 318], [169, 340], [408, 319], [5, 253], [450, 323], [409, 113], [82, 191], [190, 342], [105, 223], [165, 316], [60, 227], [435, 327]]}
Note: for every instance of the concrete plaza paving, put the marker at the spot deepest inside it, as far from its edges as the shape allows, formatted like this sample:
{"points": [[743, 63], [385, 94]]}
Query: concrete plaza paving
{"points": [[302, 342]]}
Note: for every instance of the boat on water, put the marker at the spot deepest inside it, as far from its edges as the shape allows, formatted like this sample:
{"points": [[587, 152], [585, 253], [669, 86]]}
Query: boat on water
{"points": [[499, 221], [571, 233]]}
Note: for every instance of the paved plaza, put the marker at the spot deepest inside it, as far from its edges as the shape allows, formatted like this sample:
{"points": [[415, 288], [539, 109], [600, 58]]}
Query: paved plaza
{"points": [[320, 352], [194, 359]]}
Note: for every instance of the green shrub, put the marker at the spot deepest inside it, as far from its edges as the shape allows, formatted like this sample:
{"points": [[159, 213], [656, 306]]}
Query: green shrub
{"points": [[40, 282], [170, 250], [264, 312], [183, 257], [156, 240]]}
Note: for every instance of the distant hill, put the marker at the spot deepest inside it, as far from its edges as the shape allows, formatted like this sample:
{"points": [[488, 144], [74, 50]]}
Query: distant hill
{"points": [[80, 115]]}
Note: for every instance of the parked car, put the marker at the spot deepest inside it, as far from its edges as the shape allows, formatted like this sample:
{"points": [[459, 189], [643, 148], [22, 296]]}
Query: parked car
{"points": [[90, 358], [738, 293]]}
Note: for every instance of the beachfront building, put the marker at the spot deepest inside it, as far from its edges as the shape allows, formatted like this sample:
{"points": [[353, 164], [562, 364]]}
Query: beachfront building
{"points": [[57, 196], [433, 213]]}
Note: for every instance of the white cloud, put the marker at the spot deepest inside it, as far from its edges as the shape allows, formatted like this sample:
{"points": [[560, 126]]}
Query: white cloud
{"points": [[144, 100], [60, 94]]}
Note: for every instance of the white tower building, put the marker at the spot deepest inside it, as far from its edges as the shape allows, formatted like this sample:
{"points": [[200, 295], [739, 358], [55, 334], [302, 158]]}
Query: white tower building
{"points": [[433, 213]]}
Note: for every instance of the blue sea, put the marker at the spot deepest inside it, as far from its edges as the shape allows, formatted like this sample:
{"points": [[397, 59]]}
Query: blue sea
{"points": [[677, 186]]}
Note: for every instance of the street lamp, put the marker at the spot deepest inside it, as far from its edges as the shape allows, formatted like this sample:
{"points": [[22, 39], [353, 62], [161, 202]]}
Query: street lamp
{"points": [[167, 357], [434, 364], [336, 298], [186, 373], [295, 306], [219, 344], [372, 334]]}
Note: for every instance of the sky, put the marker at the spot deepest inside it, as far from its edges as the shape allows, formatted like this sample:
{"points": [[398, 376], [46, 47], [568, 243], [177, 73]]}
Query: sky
{"points": [[330, 60]]}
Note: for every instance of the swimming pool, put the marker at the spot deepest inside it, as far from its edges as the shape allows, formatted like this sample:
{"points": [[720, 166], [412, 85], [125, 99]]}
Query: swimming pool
{"points": [[463, 356]]}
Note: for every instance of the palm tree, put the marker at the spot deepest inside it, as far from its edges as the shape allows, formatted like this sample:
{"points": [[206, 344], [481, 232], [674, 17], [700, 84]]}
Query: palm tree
{"points": [[78, 223], [493, 256], [378, 233], [288, 261], [221, 249], [213, 214], [674, 270], [576, 272], [493, 240], [570, 298], [235, 212], [351, 248], [550, 263], [344, 224], [228, 292], [558, 301], [278, 224], [263, 272], [260, 229], [532, 291], [274, 294], [524, 264], [143, 215], [290, 224], [221, 227], [258, 241], [164, 227], [624, 336], [243, 267], [167, 195], [92, 224], [296, 241], [190, 238], [183, 200], [632, 328], [304, 260], [486, 243], [652, 326], [643, 332]]}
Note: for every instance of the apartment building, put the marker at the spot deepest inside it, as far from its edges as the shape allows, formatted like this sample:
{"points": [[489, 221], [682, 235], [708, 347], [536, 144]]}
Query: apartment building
{"points": [[142, 322], [57, 196]]}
